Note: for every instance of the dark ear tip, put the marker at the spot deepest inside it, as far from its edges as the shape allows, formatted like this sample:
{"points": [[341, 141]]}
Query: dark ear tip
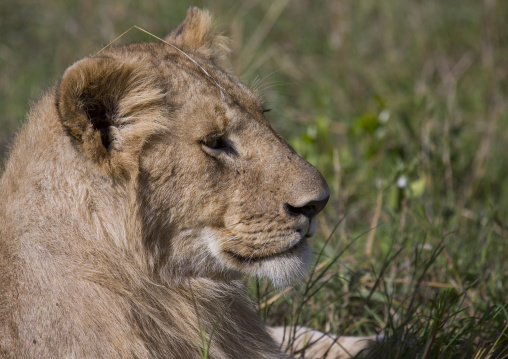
{"points": [[192, 10]]}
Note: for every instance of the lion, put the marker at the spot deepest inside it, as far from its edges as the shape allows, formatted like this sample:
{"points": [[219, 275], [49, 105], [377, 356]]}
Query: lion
{"points": [[142, 188]]}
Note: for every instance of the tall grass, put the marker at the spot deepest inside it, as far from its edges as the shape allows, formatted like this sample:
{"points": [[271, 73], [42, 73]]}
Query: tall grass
{"points": [[402, 104]]}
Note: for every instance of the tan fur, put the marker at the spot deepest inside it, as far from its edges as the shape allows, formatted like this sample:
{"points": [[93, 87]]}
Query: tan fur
{"points": [[135, 198]]}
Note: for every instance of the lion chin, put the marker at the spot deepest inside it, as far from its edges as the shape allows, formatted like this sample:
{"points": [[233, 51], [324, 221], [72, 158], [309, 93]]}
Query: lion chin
{"points": [[142, 188], [282, 267]]}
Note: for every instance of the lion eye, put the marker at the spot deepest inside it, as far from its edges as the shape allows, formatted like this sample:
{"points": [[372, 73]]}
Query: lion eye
{"points": [[214, 141], [217, 145]]}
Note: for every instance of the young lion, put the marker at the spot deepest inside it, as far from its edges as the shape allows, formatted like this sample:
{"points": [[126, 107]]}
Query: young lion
{"points": [[140, 189]]}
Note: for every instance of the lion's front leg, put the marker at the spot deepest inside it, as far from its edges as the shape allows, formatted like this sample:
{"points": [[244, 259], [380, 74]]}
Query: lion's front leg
{"points": [[303, 342]]}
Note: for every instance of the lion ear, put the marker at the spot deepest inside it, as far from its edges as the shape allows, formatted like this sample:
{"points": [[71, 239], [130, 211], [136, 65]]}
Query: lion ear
{"points": [[196, 33], [108, 107]]}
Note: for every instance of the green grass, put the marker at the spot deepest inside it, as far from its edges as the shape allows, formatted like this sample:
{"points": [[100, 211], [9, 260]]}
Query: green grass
{"points": [[376, 94]]}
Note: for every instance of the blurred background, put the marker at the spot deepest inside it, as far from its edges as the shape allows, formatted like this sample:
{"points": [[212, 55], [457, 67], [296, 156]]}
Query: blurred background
{"points": [[402, 104]]}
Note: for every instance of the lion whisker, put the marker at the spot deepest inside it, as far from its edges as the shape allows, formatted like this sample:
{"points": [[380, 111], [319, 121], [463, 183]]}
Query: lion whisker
{"points": [[255, 86]]}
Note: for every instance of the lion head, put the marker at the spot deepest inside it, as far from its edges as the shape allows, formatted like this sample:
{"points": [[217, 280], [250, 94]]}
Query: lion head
{"points": [[219, 191]]}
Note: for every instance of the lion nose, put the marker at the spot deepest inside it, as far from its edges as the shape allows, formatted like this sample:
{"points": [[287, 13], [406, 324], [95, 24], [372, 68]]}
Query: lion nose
{"points": [[309, 207]]}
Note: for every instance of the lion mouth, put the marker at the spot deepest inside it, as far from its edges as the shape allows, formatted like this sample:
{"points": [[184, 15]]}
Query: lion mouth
{"points": [[293, 248], [311, 230], [253, 259]]}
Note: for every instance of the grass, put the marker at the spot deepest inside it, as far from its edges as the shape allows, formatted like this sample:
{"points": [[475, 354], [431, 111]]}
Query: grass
{"points": [[401, 104]]}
